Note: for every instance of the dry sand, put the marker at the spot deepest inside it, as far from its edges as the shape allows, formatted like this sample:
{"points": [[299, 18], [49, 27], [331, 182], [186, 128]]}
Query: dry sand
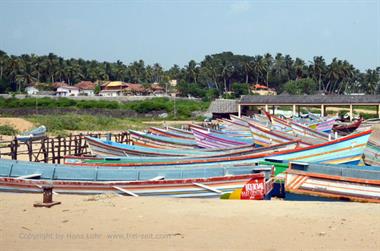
{"points": [[126, 223], [18, 123]]}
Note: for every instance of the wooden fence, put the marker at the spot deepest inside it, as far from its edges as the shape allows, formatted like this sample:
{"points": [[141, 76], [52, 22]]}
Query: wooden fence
{"points": [[53, 149]]}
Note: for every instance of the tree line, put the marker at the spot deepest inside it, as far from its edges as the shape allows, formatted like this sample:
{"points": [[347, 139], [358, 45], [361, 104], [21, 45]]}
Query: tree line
{"points": [[216, 75]]}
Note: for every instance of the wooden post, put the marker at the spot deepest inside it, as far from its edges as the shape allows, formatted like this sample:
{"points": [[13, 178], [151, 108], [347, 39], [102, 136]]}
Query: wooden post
{"points": [[294, 110], [28, 143], [14, 150], [351, 112], [239, 110], [299, 110], [44, 152], [378, 111], [266, 108], [70, 143], [53, 150], [59, 150], [273, 109], [322, 110]]}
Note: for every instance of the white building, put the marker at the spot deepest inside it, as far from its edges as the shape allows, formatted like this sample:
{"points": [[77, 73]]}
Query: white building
{"points": [[86, 88], [111, 93], [65, 91], [31, 90]]}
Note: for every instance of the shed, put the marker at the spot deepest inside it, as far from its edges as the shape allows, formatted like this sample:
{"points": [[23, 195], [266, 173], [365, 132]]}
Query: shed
{"points": [[222, 108]]}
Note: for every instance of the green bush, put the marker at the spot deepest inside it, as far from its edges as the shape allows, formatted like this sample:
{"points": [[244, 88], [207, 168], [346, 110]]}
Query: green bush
{"points": [[7, 130]]}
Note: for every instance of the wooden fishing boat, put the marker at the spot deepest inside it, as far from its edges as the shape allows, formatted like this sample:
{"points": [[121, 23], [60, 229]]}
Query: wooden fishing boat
{"points": [[162, 140], [265, 137], [35, 133], [345, 129], [107, 148], [299, 129], [348, 149], [224, 132], [206, 139], [179, 130], [372, 153], [157, 159], [344, 182], [171, 134], [17, 176]]}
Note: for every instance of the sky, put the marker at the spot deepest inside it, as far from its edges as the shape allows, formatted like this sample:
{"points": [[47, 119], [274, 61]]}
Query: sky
{"points": [[174, 32]]}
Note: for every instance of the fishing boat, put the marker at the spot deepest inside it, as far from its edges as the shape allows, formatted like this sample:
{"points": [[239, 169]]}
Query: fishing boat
{"points": [[106, 148], [345, 129], [264, 137], [343, 182], [171, 134], [157, 159], [157, 140], [348, 149], [19, 176], [372, 153], [299, 129], [206, 139], [35, 133]]}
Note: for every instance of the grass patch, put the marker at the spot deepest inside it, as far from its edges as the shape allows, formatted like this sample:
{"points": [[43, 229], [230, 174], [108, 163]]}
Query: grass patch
{"points": [[181, 108], [73, 122], [8, 130]]}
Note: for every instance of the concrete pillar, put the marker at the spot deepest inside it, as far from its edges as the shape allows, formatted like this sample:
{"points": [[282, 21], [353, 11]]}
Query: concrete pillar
{"points": [[351, 112], [266, 108], [239, 110], [294, 110], [322, 110]]}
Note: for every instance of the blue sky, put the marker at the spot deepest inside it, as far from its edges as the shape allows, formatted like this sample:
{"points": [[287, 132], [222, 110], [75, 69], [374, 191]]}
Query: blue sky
{"points": [[173, 32]]}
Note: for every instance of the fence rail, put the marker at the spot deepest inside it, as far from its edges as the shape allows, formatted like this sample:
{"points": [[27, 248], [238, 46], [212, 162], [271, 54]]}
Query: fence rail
{"points": [[53, 149]]}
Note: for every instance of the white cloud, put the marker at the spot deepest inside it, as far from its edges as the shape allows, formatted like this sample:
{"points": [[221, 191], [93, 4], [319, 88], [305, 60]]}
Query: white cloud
{"points": [[240, 6]]}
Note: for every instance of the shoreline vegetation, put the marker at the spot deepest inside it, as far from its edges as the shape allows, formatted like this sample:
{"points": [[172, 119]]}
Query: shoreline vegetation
{"points": [[92, 115], [61, 115], [223, 74]]}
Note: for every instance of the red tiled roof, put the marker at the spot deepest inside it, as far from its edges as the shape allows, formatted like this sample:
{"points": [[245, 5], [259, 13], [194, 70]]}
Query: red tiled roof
{"points": [[86, 85], [156, 87], [258, 86], [134, 87], [59, 84]]}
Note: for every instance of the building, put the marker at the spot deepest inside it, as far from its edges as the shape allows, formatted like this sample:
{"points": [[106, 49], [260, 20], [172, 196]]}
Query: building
{"points": [[156, 89], [173, 82], [64, 90], [112, 89], [222, 108], [31, 90], [248, 102], [134, 89], [262, 90], [86, 88], [119, 88]]}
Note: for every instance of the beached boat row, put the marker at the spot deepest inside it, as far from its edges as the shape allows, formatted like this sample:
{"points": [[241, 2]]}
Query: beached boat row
{"points": [[236, 158]]}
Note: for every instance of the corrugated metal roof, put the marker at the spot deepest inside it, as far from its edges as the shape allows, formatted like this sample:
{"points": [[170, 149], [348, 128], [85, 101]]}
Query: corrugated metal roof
{"points": [[311, 99], [224, 106]]}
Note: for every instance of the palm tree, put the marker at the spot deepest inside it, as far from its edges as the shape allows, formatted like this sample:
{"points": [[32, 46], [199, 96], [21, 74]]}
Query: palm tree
{"points": [[300, 68], [288, 63], [258, 67], [268, 63], [318, 69], [192, 71], [371, 81]]}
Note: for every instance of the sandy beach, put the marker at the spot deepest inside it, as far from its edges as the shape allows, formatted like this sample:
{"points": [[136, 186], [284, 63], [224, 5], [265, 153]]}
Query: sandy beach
{"points": [[123, 223]]}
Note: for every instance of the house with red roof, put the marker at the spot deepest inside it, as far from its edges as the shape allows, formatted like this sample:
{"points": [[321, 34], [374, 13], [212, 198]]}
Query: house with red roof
{"points": [[86, 88], [262, 90]]}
